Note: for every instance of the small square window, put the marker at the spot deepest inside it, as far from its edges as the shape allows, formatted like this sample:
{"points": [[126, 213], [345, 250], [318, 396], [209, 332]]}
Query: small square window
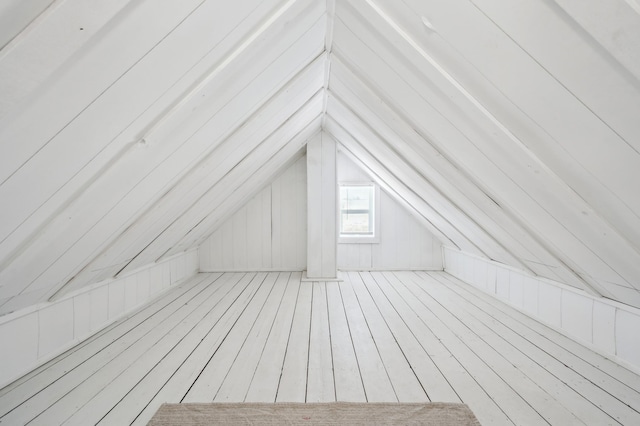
{"points": [[358, 213]]}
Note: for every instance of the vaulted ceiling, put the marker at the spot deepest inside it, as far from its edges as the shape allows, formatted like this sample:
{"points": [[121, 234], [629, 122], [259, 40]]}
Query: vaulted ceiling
{"points": [[131, 129]]}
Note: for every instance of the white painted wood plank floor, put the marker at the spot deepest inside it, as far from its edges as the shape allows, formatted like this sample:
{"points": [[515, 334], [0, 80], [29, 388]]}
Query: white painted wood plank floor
{"points": [[382, 336]]}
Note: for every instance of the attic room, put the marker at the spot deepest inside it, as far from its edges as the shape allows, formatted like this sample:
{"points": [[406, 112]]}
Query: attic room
{"points": [[363, 201]]}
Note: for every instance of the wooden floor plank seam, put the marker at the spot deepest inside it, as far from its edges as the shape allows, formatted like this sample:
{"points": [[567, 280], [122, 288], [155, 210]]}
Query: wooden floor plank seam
{"points": [[298, 305], [207, 367], [185, 375], [65, 383], [137, 388], [556, 337], [398, 330], [49, 366], [611, 403], [511, 414], [265, 382], [465, 386], [344, 312], [557, 388], [616, 388], [529, 391], [88, 390]]}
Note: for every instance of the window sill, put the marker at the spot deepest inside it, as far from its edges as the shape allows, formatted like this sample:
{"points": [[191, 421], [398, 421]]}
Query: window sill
{"points": [[359, 240]]}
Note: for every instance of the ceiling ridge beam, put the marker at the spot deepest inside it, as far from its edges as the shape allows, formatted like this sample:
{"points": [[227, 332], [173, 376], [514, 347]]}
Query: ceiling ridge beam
{"points": [[328, 47]]}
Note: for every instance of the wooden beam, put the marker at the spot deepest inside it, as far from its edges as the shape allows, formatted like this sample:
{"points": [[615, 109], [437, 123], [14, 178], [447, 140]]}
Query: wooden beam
{"points": [[321, 208]]}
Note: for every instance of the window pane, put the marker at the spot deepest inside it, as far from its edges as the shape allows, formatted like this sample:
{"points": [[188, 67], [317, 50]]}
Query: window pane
{"points": [[358, 223], [356, 209], [355, 197]]}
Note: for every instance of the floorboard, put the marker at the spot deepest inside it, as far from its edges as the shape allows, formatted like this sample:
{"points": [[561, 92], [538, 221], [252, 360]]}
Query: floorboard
{"points": [[377, 336]]}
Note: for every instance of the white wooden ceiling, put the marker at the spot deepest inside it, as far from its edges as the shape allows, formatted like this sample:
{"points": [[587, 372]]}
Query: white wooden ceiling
{"points": [[130, 129]]}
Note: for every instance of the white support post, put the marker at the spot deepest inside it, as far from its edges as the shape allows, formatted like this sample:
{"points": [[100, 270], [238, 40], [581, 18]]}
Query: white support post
{"points": [[321, 209]]}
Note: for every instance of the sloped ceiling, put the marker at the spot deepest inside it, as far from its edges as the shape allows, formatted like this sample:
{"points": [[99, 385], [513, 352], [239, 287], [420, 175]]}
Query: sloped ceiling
{"points": [[130, 130]]}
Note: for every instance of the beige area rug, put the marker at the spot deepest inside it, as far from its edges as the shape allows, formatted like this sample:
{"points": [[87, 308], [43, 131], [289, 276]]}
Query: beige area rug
{"points": [[440, 414]]}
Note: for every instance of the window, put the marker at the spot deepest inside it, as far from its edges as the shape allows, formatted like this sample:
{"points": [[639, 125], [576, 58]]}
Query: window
{"points": [[358, 221]]}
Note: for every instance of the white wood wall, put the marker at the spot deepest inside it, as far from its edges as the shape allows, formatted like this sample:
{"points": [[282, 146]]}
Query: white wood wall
{"points": [[38, 333], [268, 233], [404, 242], [609, 326]]}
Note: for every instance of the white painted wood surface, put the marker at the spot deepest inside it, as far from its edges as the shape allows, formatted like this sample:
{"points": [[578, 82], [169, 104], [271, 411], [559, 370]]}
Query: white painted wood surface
{"points": [[539, 176], [268, 233], [403, 244], [53, 30], [34, 335], [606, 325], [126, 194], [380, 336], [442, 85], [321, 207]]}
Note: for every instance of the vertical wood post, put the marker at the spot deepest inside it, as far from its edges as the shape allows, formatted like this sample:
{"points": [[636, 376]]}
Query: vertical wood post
{"points": [[321, 208]]}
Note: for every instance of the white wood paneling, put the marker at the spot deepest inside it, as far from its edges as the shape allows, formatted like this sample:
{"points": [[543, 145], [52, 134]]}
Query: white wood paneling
{"points": [[627, 325], [606, 325], [268, 233], [404, 243], [127, 180], [577, 315], [604, 318], [550, 298], [36, 334], [20, 346], [56, 327]]}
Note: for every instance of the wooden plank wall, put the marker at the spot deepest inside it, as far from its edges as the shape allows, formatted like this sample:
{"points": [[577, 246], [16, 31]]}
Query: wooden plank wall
{"points": [[268, 233], [404, 243], [604, 324], [38, 333]]}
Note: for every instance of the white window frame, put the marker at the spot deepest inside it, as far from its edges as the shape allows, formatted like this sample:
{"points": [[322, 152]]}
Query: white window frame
{"points": [[361, 239]]}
